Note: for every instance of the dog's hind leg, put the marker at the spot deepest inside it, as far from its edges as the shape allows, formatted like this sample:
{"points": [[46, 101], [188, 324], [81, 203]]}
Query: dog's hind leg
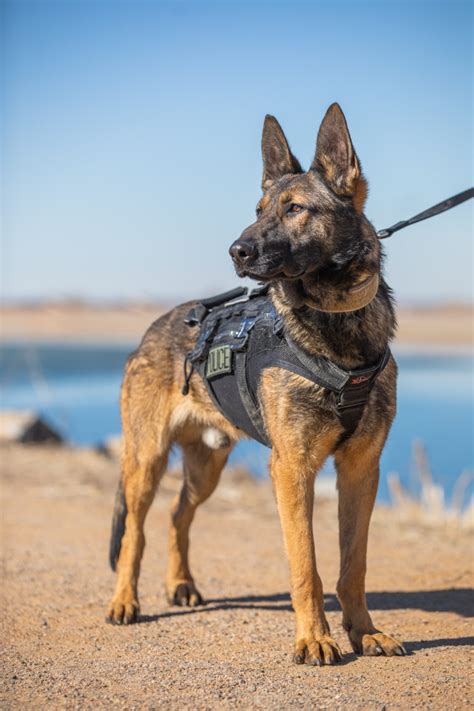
{"points": [[146, 403], [202, 469], [357, 463], [135, 495]]}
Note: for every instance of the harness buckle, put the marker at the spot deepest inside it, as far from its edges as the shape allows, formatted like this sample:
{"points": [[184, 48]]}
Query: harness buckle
{"points": [[196, 315], [243, 333]]}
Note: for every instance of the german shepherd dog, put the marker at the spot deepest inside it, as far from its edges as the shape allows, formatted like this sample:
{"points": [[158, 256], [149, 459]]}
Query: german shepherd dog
{"points": [[322, 259]]}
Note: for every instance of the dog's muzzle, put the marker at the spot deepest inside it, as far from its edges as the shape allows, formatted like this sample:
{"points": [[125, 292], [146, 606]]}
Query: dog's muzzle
{"points": [[243, 253]]}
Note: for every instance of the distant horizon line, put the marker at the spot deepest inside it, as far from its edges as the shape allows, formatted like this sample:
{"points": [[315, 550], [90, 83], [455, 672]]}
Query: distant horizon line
{"points": [[168, 302]]}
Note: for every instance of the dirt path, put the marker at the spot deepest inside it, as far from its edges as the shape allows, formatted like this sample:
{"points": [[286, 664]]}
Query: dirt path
{"points": [[235, 652]]}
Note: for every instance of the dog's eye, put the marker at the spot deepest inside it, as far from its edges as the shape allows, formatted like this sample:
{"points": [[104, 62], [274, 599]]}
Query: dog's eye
{"points": [[294, 208], [258, 211]]}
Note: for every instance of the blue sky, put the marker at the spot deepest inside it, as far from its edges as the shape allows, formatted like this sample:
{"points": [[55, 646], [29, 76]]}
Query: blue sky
{"points": [[131, 135]]}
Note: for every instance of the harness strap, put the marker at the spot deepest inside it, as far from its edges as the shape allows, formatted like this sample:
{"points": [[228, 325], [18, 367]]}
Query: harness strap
{"points": [[351, 401], [350, 418], [352, 387], [328, 374], [253, 410]]}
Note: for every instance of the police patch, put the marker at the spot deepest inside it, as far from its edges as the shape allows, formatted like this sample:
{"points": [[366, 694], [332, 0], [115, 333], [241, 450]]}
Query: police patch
{"points": [[219, 361]]}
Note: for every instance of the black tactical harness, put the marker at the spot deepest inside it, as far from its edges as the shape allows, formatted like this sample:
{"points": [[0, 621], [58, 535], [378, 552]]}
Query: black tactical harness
{"points": [[240, 335]]}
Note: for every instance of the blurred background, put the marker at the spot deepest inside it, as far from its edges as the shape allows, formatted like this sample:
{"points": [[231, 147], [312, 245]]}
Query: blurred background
{"points": [[131, 161]]}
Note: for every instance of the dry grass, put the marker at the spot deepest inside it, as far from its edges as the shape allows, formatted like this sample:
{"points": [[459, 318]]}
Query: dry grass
{"points": [[430, 506]]}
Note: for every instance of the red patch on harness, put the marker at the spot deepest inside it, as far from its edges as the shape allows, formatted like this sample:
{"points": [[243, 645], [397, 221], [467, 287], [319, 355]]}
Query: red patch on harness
{"points": [[359, 379]]}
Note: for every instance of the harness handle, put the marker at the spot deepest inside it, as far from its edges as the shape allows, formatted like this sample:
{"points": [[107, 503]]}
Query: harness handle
{"points": [[430, 212]]}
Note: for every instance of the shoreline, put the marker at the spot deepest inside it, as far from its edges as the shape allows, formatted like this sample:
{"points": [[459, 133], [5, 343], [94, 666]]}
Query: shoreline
{"points": [[436, 350], [443, 329]]}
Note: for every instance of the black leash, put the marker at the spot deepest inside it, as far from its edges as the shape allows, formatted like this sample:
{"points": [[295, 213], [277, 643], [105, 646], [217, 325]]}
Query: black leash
{"points": [[430, 212]]}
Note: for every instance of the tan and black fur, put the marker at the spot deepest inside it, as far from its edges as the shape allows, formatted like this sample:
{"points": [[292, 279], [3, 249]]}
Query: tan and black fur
{"points": [[310, 240]]}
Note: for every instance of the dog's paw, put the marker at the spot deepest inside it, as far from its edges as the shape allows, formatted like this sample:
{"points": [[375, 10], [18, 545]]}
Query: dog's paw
{"points": [[123, 611], [376, 644], [184, 594], [317, 652]]}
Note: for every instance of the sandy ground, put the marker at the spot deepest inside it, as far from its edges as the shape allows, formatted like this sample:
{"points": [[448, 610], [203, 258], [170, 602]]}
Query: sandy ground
{"points": [[236, 651], [445, 326]]}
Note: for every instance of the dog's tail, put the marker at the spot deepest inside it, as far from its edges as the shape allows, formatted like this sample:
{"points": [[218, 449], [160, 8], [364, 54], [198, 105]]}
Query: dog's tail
{"points": [[118, 525]]}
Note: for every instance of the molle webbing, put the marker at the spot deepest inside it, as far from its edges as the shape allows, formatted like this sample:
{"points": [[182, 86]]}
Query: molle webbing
{"points": [[240, 335]]}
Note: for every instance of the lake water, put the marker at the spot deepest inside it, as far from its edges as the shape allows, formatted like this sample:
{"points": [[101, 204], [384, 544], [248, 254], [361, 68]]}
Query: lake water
{"points": [[76, 388]]}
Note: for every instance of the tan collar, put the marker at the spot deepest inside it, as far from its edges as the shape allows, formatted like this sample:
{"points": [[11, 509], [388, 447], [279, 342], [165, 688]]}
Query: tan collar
{"points": [[354, 299]]}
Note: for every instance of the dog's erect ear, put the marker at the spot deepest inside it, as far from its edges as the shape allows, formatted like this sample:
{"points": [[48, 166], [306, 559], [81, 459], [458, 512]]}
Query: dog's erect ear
{"points": [[336, 159], [278, 160]]}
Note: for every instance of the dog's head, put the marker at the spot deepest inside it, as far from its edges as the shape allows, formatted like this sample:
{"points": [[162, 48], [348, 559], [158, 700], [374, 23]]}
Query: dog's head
{"points": [[310, 234]]}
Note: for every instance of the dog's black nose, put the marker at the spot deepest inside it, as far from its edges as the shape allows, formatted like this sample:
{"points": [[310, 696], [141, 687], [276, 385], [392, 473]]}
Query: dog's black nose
{"points": [[242, 252]]}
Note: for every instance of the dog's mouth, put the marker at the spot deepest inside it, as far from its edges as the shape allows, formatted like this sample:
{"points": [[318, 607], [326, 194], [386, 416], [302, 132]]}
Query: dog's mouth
{"points": [[310, 282], [269, 276]]}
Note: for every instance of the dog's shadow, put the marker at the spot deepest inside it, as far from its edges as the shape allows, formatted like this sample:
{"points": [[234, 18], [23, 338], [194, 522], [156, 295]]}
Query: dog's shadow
{"points": [[457, 600]]}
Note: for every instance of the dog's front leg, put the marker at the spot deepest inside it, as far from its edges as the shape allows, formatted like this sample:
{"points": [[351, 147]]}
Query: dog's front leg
{"points": [[357, 463], [294, 488]]}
